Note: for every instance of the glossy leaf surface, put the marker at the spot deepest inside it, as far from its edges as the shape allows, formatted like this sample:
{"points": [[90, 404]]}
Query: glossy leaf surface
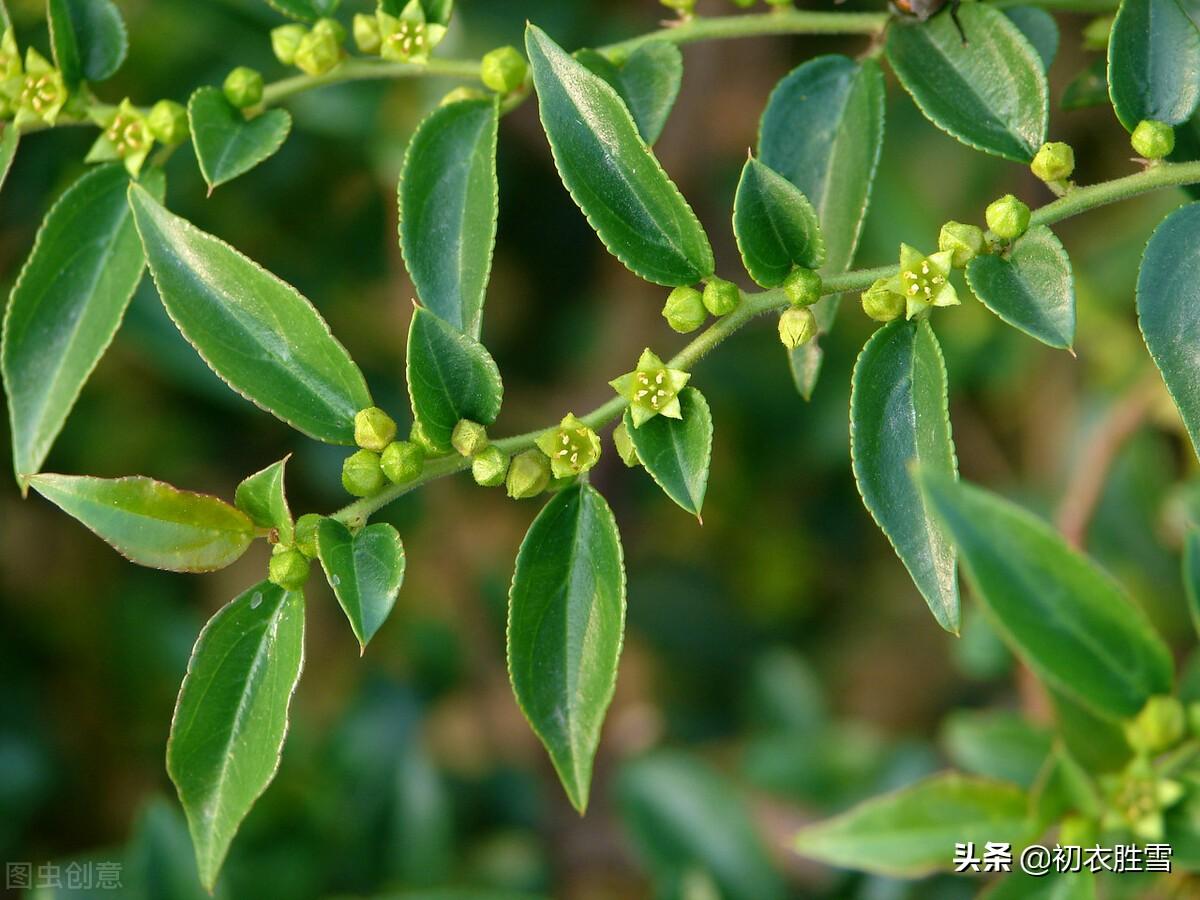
{"points": [[227, 144], [365, 571], [677, 452]]}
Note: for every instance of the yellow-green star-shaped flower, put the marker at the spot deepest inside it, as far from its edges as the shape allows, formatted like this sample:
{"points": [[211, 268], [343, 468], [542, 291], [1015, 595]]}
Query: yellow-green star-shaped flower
{"points": [[572, 447], [42, 93], [1137, 799], [408, 37], [651, 389], [924, 281], [126, 136]]}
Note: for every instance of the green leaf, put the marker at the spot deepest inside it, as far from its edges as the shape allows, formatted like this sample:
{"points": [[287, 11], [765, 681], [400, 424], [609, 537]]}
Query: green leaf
{"points": [[365, 571], [448, 208], [912, 832], [681, 816], [648, 81], [262, 497], [1168, 304], [160, 863], [227, 144], [677, 452], [9, 138], [152, 523], [450, 377], [1031, 287], [628, 199], [67, 304], [1098, 744], [1088, 88], [265, 340], [1153, 57], [1191, 574], [1055, 886], [232, 715], [989, 93], [305, 10], [566, 619], [88, 38], [1039, 29], [822, 130], [899, 415], [996, 744], [775, 226], [1073, 626], [1187, 146]]}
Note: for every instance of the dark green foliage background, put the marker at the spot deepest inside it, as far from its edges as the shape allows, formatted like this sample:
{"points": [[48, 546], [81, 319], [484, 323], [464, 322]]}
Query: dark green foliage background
{"points": [[782, 641]]}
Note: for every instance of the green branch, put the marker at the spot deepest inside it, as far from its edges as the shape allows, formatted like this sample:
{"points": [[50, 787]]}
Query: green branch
{"points": [[753, 305]]}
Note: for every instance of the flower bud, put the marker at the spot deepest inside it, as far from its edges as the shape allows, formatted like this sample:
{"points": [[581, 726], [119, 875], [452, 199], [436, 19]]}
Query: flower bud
{"points": [[285, 40], [1153, 140], [306, 534], [528, 474], [684, 309], [288, 568], [489, 467], [319, 52], [243, 87], [462, 92], [797, 326], [802, 286], [721, 297], [965, 242], [1158, 727], [1054, 162], [1008, 217], [366, 34], [503, 70], [402, 461], [572, 447], [685, 8], [1096, 32], [624, 444], [333, 28], [468, 438], [881, 303], [373, 428], [168, 122], [361, 474]]}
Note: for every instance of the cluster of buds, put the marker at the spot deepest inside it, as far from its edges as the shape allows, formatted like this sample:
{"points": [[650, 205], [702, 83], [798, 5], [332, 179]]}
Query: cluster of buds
{"points": [[128, 133], [314, 51], [363, 471], [31, 93], [408, 37]]}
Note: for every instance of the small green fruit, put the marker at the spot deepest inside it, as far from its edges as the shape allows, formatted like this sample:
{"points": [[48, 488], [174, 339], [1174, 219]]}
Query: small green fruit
{"points": [[362, 475], [803, 286], [684, 309], [285, 40], [373, 428], [1008, 217], [168, 122], [528, 474], [402, 461], [243, 87], [306, 534], [1054, 162], [489, 467], [288, 568], [503, 70], [1153, 140], [721, 297], [965, 242], [797, 326], [468, 438], [881, 303]]}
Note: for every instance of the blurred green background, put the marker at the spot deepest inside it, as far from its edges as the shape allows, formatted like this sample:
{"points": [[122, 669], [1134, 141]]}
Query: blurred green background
{"points": [[779, 665]]}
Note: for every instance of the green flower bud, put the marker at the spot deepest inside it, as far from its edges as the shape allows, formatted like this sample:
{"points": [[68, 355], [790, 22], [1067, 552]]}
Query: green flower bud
{"points": [[684, 309], [572, 447], [1096, 32], [168, 122], [306, 534], [624, 444], [1008, 217], [42, 93], [721, 297], [333, 28], [802, 286], [366, 34], [418, 436], [685, 8], [924, 281], [319, 52], [1153, 140], [528, 474], [1159, 726], [965, 242], [402, 461], [288, 568], [797, 326], [285, 40], [881, 303], [1054, 162], [362, 475], [651, 389], [489, 467], [373, 428], [243, 87], [468, 438], [462, 93], [503, 70]]}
